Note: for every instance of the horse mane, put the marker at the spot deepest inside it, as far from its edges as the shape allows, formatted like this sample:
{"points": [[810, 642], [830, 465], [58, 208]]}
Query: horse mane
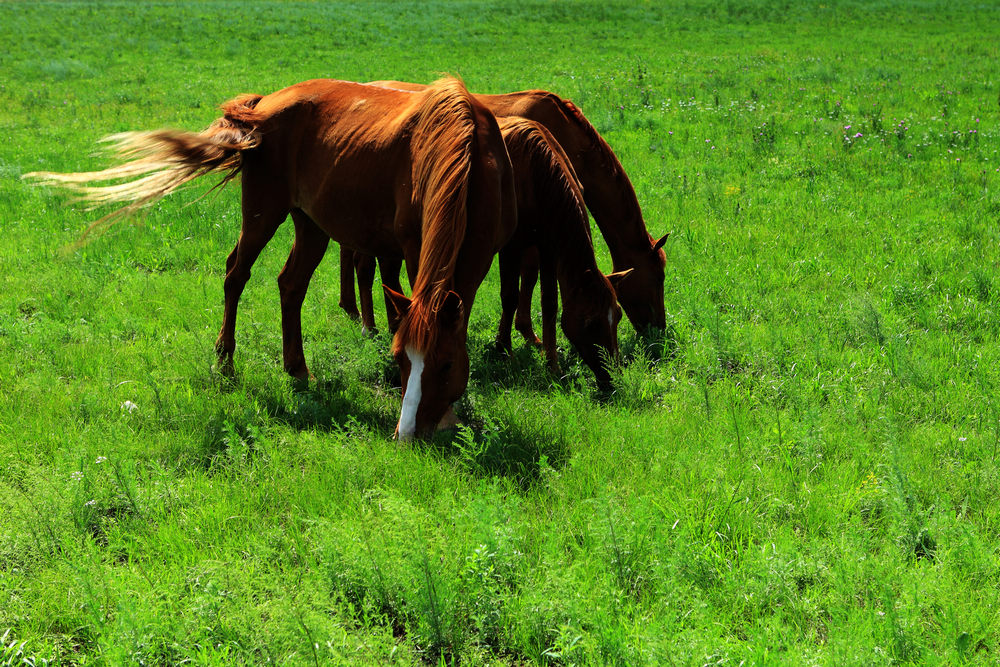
{"points": [[443, 146], [560, 193], [610, 160]]}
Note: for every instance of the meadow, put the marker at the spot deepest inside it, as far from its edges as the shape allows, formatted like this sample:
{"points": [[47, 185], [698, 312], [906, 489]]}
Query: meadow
{"points": [[802, 471]]}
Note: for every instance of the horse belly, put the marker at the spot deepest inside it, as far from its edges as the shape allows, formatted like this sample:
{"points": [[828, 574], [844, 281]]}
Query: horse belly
{"points": [[359, 219]]}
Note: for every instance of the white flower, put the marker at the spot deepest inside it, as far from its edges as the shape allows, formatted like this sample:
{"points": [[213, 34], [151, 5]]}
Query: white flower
{"points": [[129, 406]]}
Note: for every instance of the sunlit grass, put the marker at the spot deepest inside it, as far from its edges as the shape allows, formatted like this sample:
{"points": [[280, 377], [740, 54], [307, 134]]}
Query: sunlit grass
{"points": [[803, 471]]}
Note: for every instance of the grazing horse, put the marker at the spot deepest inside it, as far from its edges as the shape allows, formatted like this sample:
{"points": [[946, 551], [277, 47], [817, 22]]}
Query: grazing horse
{"points": [[552, 221], [609, 196], [421, 176]]}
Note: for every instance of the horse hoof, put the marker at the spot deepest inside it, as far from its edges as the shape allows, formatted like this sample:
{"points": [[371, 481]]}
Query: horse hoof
{"points": [[225, 368]]}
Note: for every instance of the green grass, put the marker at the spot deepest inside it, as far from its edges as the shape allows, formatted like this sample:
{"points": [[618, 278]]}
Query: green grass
{"points": [[809, 475]]}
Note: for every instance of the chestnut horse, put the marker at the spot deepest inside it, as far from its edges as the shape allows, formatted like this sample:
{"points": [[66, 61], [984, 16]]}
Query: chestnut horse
{"points": [[420, 176], [609, 196], [552, 221]]}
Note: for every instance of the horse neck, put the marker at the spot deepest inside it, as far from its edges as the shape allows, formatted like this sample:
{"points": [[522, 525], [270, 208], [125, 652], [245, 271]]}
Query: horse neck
{"points": [[606, 189], [611, 199], [573, 260], [570, 232]]}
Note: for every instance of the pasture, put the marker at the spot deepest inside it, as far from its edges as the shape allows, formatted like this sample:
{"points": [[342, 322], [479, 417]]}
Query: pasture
{"points": [[802, 471]]}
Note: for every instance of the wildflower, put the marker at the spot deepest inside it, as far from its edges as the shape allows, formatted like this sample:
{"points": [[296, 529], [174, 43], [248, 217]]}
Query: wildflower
{"points": [[90, 503], [101, 459], [962, 438], [129, 406], [76, 475], [858, 135]]}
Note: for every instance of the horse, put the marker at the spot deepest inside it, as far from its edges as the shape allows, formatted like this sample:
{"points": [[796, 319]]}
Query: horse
{"points": [[552, 222], [608, 193], [421, 176]]}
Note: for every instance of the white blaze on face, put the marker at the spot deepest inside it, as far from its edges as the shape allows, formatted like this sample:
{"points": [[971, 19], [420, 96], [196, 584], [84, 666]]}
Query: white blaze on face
{"points": [[414, 390], [611, 317]]}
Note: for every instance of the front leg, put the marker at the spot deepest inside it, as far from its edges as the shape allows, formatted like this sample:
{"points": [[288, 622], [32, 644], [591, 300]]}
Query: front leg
{"points": [[364, 267], [389, 267], [347, 301], [529, 276], [550, 310], [510, 269]]}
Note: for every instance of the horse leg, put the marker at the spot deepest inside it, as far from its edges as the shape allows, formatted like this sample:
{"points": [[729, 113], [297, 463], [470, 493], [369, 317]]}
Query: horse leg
{"points": [[258, 229], [389, 268], [550, 308], [293, 281], [364, 266], [510, 265], [529, 276], [347, 302]]}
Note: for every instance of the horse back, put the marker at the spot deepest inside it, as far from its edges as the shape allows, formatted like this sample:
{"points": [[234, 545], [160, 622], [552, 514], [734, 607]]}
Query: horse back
{"points": [[340, 152]]}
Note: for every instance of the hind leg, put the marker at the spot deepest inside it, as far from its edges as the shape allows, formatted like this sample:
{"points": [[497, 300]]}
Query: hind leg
{"points": [[529, 276], [347, 301], [293, 281], [259, 225]]}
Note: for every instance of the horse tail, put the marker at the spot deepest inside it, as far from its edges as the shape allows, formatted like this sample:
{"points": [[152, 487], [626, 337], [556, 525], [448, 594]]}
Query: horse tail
{"points": [[159, 162], [442, 147]]}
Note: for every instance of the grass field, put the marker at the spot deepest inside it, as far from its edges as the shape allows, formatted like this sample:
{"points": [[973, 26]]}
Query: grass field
{"points": [[808, 474]]}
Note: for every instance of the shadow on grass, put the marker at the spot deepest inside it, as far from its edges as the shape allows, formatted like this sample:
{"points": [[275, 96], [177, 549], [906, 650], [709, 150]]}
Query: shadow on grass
{"points": [[340, 401]]}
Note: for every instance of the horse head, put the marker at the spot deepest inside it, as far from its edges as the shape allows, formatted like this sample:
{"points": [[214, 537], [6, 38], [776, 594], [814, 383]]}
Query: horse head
{"points": [[590, 317], [641, 293], [429, 348]]}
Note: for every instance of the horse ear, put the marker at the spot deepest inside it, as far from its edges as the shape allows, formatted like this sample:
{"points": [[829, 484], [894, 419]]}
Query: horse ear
{"points": [[659, 244], [452, 311], [616, 278], [400, 302]]}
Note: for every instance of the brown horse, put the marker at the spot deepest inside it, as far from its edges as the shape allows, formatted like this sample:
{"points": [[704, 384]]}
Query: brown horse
{"points": [[609, 196], [552, 221], [421, 176]]}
